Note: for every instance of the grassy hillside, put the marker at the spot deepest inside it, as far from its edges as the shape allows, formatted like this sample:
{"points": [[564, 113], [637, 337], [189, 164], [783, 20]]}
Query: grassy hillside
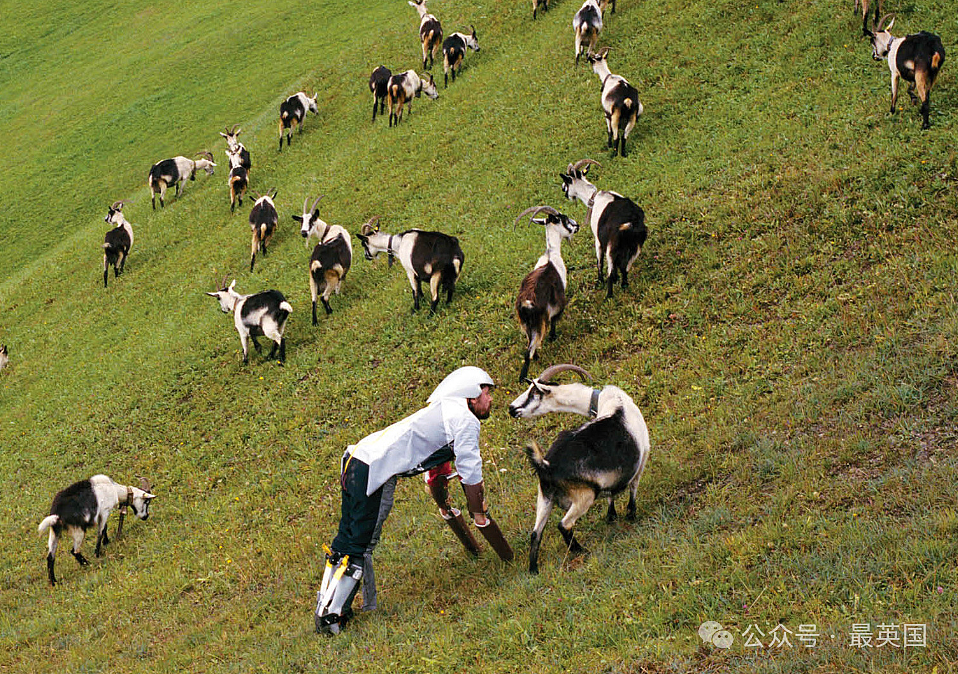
{"points": [[791, 336]]}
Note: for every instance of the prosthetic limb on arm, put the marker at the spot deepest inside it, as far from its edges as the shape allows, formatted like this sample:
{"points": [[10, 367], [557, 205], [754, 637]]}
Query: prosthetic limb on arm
{"points": [[438, 481], [479, 509]]}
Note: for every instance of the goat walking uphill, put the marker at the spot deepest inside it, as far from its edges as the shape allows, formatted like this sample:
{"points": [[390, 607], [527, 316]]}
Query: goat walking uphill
{"points": [[331, 257], [263, 219], [541, 300], [620, 102], [87, 503], [117, 242], [430, 32], [603, 457], [617, 223], [176, 171], [260, 314], [292, 112], [454, 50], [431, 256]]}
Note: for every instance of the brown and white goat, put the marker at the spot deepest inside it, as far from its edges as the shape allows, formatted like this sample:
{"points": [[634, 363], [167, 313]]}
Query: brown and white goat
{"points": [[603, 457], [430, 32], [620, 102], [176, 171], [915, 58], [454, 50], [431, 256], [239, 178], [541, 300], [262, 220], [587, 24], [234, 146], [331, 257], [292, 112], [403, 88]]}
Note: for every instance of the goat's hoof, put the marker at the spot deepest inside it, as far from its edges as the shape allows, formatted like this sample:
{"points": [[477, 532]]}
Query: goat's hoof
{"points": [[630, 516]]}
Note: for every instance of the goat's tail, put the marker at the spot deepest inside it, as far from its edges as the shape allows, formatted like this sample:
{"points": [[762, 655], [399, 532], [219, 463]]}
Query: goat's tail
{"points": [[48, 521], [285, 306], [536, 456]]}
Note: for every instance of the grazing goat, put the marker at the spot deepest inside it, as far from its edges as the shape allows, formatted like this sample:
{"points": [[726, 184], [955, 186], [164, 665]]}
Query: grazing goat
{"points": [[4, 356], [430, 32], [587, 24], [87, 503], [262, 220], [454, 50], [292, 112], [331, 257], [176, 171], [232, 142], [602, 457], [863, 5], [424, 255], [260, 314], [378, 87], [617, 223], [402, 88], [620, 102], [239, 178], [535, 7], [541, 298], [117, 242], [915, 58]]}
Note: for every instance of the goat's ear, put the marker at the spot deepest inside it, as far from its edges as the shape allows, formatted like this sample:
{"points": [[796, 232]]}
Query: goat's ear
{"points": [[223, 134], [148, 496], [316, 214], [216, 294], [298, 218], [566, 179], [232, 284], [540, 221]]}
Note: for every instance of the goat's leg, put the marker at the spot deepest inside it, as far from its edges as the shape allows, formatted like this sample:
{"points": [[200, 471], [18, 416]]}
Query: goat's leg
{"points": [[326, 306], [434, 290], [582, 499], [598, 263], [52, 555], [101, 538], [924, 84], [543, 508], [122, 262], [416, 289], [608, 128], [610, 515], [77, 534], [244, 342], [256, 344], [894, 91], [106, 269]]}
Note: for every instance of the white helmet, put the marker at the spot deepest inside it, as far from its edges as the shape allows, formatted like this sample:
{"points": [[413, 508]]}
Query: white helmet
{"points": [[466, 382]]}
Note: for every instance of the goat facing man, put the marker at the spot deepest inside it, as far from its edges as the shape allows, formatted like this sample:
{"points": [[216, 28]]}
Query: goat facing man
{"points": [[444, 432]]}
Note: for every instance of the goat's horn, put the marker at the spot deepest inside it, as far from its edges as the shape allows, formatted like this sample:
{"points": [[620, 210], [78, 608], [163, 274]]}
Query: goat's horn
{"points": [[315, 203], [534, 210], [222, 285], [881, 22], [584, 162], [305, 202], [553, 370], [145, 485], [235, 131], [369, 226], [117, 206], [602, 53]]}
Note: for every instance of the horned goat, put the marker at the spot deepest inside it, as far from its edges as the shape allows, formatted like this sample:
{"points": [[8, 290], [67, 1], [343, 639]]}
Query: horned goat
{"points": [[587, 24], [292, 112], [430, 32], [331, 257], [403, 88], [541, 300], [617, 223], [176, 171], [431, 256], [238, 179], [454, 50], [620, 102], [87, 503], [117, 242], [259, 314], [262, 220], [603, 457], [863, 6], [915, 58], [234, 146]]}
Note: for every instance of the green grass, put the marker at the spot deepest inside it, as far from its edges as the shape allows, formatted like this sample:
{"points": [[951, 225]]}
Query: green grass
{"points": [[790, 335]]}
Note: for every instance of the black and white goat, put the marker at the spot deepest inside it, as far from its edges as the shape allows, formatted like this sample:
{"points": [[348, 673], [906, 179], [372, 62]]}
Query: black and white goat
{"points": [[620, 102], [403, 88], [260, 314], [176, 171], [4, 356], [617, 223], [87, 503], [378, 87], [430, 32], [331, 257], [603, 457], [236, 147], [863, 6], [239, 177], [431, 256], [915, 58], [541, 300], [117, 242], [262, 220], [454, 50], [587, 24], [292, 112]]}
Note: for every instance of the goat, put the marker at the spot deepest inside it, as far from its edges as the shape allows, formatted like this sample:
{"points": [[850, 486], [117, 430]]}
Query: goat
{"points": [[232, 142], [617, 223], [262, 220], [587, 24], [915, 58], [176, 171], [535, 7], [541, 300], [331, 257], [378, 87], [239, 177], [602, 457], [430, 32], [424, 255], [254, 315], [402, 88], [454, 50], [863, 5], [620, 102], [4, 356], [292, 112], [117, 242], [87, 503]]}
